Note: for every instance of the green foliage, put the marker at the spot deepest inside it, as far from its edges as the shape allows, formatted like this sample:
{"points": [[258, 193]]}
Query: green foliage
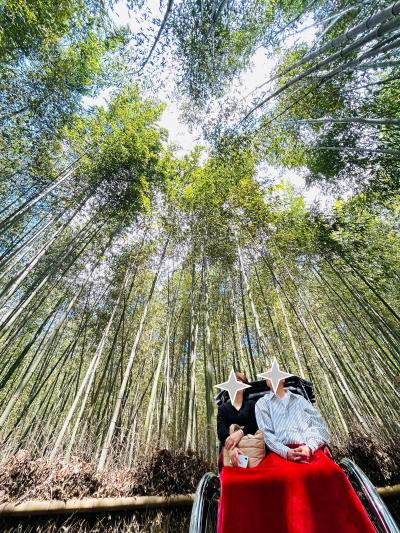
{"points": [[215, 44], [369, 237], [51, 56], [119, 151], [32, 25]]}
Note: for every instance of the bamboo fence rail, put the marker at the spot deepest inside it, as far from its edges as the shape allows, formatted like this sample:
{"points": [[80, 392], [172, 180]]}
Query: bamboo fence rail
{"points": [[89, 505]]}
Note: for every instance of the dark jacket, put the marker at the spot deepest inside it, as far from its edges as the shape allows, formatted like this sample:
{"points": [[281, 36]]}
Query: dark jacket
{"points": [[228, 414]]}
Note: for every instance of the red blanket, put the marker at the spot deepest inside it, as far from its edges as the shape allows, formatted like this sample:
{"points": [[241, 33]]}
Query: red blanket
{"points": [[280, 496]]}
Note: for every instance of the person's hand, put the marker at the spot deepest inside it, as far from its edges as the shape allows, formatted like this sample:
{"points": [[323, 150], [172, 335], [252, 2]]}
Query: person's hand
{"points": [[233, 439], [234, 456], [291, 455], [304, 453], [301, 454]]}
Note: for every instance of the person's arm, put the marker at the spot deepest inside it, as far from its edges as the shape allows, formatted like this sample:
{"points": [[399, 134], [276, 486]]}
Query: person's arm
{"points": [[227, 439], [222, 424], [264, 423], [317, 433]]}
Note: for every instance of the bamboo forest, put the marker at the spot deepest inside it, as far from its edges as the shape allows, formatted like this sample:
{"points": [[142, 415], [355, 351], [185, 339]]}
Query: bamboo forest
{"points": [[189, 187]]}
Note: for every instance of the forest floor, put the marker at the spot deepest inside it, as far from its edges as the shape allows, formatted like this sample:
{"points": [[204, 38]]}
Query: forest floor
{"points": [[23, 478]]}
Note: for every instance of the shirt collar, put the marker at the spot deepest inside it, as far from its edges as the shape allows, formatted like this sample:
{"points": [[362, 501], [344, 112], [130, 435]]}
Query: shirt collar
{"points": [[269, 395]]}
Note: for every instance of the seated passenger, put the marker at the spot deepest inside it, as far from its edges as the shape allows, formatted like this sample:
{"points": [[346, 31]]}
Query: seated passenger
{"points": [[287, 419], [240, 412], [296, 488]]}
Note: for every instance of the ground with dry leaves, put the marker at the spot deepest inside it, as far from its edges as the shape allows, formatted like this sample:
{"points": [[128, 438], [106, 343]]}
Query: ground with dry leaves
{"points": [[23, 478]]}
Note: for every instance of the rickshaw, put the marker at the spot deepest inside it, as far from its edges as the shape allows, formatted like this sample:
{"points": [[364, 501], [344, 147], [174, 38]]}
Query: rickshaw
{"points": [[205, 505]]}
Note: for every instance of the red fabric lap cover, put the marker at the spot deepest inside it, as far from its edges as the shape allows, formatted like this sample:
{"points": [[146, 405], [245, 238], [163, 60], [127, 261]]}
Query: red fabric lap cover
{"points": [[280, 496]]}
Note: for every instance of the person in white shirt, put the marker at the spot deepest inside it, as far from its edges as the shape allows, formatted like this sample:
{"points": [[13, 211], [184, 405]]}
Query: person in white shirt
{"points": [[287, 419]]}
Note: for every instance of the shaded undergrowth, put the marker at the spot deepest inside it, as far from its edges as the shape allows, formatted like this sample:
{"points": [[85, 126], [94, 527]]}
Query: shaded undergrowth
{"points": [[23, 478]]}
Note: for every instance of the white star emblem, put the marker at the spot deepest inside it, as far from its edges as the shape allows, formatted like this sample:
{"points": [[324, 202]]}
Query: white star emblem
{"points": [[232, 386], [275, 374]]}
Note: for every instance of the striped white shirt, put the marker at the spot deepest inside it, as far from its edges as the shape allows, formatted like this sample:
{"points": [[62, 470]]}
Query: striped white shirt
{"points": [[290, 420]]}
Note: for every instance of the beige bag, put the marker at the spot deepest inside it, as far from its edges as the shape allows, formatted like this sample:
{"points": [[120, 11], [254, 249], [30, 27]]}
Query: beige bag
{"points": [[251, 445]]}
